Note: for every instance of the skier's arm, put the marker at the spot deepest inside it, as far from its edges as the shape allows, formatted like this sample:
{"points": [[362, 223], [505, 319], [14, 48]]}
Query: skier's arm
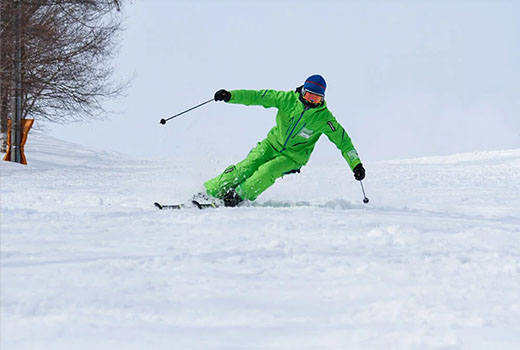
{"points": [[337, 135], [265, 98]]}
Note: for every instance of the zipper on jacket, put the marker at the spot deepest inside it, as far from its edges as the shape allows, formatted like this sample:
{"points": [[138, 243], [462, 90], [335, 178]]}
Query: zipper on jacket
{"points": [[294, 127]]}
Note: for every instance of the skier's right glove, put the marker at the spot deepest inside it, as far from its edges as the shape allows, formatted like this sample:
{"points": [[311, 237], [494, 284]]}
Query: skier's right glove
{"points": [[359, 172], [223, 95]]}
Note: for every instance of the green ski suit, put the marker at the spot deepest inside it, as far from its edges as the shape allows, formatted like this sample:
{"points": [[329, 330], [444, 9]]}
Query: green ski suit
{"points": [[286, 148]]}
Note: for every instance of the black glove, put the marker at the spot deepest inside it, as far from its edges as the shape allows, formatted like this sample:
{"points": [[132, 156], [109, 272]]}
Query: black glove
{"points": [[359, 172], [222, 95]]}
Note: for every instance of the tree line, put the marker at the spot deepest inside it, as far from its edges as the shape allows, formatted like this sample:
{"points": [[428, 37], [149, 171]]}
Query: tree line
{"points": [[66, 49]]}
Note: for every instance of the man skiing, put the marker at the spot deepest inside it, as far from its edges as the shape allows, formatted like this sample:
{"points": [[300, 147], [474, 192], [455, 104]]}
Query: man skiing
{"points": [[302, 118]]}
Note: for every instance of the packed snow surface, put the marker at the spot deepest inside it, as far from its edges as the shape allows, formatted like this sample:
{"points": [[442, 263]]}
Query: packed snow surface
{"points": [[87, 262]]}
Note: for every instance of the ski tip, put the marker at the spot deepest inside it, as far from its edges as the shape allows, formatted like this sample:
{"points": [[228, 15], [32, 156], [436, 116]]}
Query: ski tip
{"points": [[158, 205]]}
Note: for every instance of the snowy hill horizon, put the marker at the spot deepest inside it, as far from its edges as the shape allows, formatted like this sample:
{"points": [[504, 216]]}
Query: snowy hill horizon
{"points": [[87, 261]]}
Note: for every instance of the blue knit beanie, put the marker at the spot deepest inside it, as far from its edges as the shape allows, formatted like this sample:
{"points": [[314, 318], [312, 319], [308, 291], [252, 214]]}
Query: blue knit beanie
{"points": [[315, 83]]}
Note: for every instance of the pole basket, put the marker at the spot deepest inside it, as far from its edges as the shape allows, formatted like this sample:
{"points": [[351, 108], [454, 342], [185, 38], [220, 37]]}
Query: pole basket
{"points": [[26, 126]]}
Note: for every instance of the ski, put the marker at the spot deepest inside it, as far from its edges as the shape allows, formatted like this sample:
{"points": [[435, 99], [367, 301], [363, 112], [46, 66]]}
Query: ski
{"points": [[204, 205], [169, 206], [183, 206]]}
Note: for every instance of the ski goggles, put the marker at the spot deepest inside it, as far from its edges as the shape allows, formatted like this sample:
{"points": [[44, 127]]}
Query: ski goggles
{"points": [[312, 97]]}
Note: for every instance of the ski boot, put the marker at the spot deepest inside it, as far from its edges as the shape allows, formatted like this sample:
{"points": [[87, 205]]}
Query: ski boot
{"points": [[231, 198]]}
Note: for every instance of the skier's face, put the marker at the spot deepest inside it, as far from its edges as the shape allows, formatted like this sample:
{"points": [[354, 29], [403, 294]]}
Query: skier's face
{"points": [[312, 97]]}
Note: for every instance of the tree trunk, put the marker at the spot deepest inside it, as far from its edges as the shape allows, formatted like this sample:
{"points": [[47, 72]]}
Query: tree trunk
{"points": [[6, 69]]}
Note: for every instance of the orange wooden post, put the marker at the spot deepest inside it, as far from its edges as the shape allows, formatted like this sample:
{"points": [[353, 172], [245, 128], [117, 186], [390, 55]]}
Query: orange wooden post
{"points": [[26, 126]]}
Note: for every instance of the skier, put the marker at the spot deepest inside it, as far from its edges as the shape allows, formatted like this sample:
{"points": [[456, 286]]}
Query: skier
{"points": [[301, 119]]}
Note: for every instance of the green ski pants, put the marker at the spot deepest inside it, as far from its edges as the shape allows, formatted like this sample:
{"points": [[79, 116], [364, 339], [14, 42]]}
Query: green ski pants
{"points": [[252, 176]]}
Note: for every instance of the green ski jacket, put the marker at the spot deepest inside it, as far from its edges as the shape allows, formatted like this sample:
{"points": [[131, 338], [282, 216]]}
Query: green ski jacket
{"points": [[298, 128]]}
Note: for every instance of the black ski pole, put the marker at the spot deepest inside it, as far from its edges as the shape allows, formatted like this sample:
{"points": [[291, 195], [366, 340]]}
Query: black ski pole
{"points": [[365, 199], [163, 121]]}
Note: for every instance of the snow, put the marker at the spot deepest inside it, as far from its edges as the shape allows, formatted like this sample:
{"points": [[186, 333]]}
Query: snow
{"points": [[432, 262]]}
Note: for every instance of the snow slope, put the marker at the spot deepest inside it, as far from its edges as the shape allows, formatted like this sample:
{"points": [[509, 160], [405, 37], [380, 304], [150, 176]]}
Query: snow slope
{"points": [[433, 262]]}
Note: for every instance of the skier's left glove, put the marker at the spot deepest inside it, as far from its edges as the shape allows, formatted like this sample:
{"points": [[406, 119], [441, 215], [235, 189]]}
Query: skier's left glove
{"points": [[359, 172], [223, 95]]}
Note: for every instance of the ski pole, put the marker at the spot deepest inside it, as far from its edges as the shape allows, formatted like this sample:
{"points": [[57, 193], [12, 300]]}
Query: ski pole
{"points": [[163, 121], [365, 199]]}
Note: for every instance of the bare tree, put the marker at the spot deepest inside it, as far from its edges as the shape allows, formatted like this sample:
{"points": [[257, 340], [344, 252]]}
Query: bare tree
{"points": [[6, 65], [67, 49]]}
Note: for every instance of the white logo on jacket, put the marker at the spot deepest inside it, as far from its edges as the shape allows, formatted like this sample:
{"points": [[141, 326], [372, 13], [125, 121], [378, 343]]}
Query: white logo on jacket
{"points": [[305, 133]]}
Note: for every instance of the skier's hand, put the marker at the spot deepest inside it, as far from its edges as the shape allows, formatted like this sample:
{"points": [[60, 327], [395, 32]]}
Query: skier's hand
{"points": [[222, 95], [359, 172]]}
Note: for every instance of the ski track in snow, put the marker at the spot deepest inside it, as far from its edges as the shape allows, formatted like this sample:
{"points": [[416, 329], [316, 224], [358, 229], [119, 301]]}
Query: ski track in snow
{"points": [[433, 262]]}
